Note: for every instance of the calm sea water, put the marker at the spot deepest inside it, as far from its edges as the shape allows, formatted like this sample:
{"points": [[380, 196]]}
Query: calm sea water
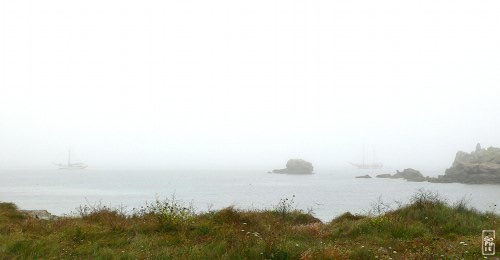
{"points": [[327, 193]]}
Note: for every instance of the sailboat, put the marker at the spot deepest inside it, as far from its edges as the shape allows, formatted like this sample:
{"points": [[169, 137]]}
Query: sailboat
{"points": [[71, 166], [366, 166]]}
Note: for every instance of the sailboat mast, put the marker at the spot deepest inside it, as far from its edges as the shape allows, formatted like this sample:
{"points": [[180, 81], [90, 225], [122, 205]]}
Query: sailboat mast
{"points": [[363, 155]]}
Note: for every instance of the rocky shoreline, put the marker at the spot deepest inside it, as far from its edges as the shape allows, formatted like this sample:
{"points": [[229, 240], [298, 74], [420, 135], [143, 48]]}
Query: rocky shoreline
{"points": [[481, 166]]}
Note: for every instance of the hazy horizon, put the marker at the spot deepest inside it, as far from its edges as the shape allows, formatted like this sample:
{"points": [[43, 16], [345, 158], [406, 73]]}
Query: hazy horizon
{"points": [[196, 84]]}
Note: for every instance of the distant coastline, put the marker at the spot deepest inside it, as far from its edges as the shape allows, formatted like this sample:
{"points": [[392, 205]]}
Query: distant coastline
{"points": [[481, 166]]}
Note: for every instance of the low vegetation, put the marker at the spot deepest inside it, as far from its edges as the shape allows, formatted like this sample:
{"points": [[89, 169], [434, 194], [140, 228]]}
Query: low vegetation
{"points": [[425, 228]]}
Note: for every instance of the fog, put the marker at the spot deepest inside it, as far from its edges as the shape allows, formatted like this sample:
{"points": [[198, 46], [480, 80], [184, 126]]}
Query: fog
{"points": [[237, 84]]}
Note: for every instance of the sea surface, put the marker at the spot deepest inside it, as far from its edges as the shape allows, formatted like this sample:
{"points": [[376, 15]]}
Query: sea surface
{"points": [[328, 193]]}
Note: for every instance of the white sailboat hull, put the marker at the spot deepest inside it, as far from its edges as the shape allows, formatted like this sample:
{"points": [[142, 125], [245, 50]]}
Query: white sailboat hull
{"points": [[71, 166], [368, 165]]}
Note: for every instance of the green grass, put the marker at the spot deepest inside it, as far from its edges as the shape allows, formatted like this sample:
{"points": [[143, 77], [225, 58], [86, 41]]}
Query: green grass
{"points": [[426, 228]]}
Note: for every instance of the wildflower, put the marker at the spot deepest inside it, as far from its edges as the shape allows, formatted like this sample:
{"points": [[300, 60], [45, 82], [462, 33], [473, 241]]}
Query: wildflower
{"points": [[242, 230], [296, 244], [394, 252], [244, 223]]}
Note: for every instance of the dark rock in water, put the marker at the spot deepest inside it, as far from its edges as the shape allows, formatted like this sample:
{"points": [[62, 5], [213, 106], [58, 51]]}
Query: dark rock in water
{"points": [[364, 177], [296, 166], [480, 166], [39, 214], [407, 174]]}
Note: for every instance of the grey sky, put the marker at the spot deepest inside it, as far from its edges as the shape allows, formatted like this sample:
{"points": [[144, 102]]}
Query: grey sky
{"points": [[247, 83]]}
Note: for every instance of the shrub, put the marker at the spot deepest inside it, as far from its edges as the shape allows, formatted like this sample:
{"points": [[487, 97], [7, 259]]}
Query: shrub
{"points": [[97, 210], [424, 199], [348, 216], [463, 205], [284, 207], [227, 215], [171, 214], [298, 217], [379, 207]]}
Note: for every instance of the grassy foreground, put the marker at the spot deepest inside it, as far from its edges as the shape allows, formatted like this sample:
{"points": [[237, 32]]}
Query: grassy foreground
{"points": [[426, 228]]}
